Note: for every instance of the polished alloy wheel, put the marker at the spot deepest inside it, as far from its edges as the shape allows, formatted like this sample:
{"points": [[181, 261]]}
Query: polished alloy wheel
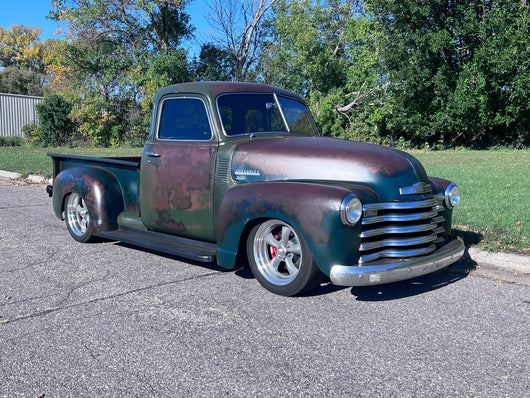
{"points": [[77, 216], [277, 252]]}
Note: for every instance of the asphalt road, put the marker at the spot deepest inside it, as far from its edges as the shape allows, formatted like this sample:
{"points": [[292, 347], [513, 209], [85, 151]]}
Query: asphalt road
{"points": [[94, 320]]}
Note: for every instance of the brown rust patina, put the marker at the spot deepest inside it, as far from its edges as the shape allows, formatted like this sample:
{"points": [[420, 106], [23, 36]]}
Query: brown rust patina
{"points": [[98, 188], [177, 192]]}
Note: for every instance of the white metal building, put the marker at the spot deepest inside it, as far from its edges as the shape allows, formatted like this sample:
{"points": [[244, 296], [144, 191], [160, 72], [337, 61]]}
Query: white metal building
{"points": [[16, 111]]}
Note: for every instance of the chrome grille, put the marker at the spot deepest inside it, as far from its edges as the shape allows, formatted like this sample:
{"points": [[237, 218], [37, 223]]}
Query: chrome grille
{"points": [[401, 229]]}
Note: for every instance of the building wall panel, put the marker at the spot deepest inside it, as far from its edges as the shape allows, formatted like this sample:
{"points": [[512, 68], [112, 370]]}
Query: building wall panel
{"points": [[16, 111]]}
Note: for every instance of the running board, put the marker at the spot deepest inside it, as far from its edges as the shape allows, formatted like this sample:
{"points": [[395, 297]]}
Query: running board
{"points": [[169, 244]]}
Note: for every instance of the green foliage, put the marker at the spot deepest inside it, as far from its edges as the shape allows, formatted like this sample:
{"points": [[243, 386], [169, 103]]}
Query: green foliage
{"points": [[414, 74], [213, 64], [31, 133], [431, 74], [118, 54], [55, 125], [11, 141], [18, 81], [459, 71]]}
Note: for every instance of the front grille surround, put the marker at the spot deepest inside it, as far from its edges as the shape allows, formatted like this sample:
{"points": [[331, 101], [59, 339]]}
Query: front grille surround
{"points": [[400, 230]]}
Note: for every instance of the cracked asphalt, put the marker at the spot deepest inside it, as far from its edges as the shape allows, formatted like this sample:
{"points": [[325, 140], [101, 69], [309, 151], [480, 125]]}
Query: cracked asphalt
{"points": [[109, 320]]}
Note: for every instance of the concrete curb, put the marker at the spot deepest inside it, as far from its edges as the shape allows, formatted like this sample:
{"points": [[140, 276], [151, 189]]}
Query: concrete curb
{"points": [[504, 261], [31, 178]]}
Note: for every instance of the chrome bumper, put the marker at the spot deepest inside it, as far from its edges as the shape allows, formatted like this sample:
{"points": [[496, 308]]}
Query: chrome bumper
{"points": [[344, 275]]}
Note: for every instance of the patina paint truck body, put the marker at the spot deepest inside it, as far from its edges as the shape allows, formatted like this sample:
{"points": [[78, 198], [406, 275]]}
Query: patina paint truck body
{"points": [[235, 169]]}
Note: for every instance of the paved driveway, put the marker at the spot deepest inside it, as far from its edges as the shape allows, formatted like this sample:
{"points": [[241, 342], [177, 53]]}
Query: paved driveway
{"points": [[105, 319]]}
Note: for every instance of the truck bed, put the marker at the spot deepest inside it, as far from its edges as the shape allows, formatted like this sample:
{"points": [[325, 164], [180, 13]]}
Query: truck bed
{"points": [[124, 169]]}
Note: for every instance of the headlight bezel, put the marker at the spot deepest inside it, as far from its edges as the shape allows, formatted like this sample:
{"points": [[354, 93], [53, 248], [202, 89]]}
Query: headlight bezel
{"points": [[452, 195], [351, 205]]}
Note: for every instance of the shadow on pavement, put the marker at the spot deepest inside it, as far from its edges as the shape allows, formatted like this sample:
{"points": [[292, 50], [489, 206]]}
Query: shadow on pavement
{"points": [[419, 285]]}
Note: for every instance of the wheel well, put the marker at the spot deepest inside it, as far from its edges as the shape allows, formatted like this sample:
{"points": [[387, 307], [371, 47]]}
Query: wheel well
{"points": [[63, 203], [241, 258]]}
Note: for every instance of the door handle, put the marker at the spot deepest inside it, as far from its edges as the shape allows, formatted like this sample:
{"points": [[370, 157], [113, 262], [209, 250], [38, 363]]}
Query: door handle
{"points": [[152, 154]]}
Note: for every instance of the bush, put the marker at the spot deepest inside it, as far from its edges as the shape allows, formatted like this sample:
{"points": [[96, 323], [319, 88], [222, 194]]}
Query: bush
{"points": [[31, 132], [11, 141], [56, 128]]}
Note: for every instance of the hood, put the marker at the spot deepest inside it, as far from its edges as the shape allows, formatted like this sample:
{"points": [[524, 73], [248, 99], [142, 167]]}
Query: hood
{"points": [[327, 159]]}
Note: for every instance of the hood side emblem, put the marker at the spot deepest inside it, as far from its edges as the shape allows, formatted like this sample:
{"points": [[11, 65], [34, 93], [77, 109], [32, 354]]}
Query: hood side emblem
{"points": [[418, 188], [247, 172]]}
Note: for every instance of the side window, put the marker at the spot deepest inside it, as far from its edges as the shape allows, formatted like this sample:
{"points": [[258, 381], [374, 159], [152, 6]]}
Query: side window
{"points": [[184, 119]]}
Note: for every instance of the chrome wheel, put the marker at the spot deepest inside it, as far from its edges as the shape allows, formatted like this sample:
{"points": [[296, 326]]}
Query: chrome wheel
{"points": [[277, 252], [280, 258], [78, 218]]}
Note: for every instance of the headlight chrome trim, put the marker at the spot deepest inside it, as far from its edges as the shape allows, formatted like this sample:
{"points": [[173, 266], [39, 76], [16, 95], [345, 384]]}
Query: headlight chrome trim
{"points": [[452, 196], [351, 206]]}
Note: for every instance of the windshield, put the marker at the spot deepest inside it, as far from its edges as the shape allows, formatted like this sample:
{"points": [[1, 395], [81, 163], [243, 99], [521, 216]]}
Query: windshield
{"points": [[257, 113]]}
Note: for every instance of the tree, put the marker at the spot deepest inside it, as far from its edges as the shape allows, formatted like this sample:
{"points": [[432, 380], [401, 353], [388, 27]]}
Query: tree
{"points": [[117, 55], [21, 56], [238, 27], [23, 82], [20, 46], [327, 51], [459, 70], [213, 64]]}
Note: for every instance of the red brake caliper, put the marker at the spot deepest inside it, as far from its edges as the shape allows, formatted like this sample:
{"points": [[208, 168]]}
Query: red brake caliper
{"points": [[273, 249]]}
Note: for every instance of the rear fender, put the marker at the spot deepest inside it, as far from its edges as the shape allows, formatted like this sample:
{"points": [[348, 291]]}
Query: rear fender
{"points": [[313, 209], [100, 190]]}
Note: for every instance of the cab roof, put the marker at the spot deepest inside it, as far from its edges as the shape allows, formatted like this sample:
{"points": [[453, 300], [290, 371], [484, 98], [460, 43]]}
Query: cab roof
{"points": [[214, 89]]}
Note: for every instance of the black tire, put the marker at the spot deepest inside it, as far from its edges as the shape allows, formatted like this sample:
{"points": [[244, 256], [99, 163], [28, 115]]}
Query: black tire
{"points": [[77, 219], [280, 259]]}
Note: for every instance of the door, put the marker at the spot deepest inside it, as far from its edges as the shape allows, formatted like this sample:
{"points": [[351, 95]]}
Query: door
{"points": [[176, 175]]}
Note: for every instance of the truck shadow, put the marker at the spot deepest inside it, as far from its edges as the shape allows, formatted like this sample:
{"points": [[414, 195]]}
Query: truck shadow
{"points": [[391, 291], [419, 285], [210, 266]]}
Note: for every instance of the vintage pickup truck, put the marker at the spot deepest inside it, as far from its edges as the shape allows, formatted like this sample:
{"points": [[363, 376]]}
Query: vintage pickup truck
{"points": [[235, 170]]}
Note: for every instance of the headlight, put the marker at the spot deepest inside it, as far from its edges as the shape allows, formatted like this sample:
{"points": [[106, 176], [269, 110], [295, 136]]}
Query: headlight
{"points": [[351, 210], [452, 196]]}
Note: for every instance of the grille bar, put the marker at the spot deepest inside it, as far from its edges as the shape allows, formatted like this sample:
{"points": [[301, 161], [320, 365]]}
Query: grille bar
{"points": [[397, 229], [400, 217], [401, 229], [395, 253], [401, 205], [398, 242]]}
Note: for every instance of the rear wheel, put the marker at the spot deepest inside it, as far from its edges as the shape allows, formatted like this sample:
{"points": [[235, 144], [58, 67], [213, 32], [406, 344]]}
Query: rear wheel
{"points": [[280, 259], [78, 219]]}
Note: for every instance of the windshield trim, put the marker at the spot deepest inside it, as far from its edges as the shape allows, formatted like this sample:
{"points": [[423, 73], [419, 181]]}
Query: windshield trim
{"points": [[277, 102]]}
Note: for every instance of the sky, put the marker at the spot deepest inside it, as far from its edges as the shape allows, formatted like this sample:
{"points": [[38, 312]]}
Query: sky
{"points": [[34, 12]]}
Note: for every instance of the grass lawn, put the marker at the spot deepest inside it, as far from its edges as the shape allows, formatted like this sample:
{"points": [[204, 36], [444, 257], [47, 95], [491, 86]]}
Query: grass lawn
{"points": [[33, 160], [495, 208], [494, 213]]}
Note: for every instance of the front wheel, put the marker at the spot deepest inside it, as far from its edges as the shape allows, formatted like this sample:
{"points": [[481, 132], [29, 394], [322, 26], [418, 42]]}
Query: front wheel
{"points": [[280, 259], [78, 219]]}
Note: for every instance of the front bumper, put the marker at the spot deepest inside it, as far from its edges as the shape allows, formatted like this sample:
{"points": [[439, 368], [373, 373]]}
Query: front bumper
{"points": [[450, 253]]}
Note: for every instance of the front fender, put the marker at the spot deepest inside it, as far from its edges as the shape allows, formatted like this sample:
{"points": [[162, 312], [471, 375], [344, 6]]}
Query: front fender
{"points": [[313, 209], [439, 185], [100, 190]]}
